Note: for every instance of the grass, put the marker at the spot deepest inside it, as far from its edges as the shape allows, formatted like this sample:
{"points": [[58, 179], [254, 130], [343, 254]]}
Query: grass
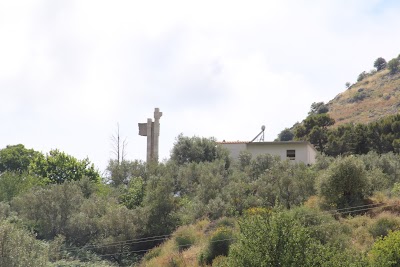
{"points": [[374, 97]]}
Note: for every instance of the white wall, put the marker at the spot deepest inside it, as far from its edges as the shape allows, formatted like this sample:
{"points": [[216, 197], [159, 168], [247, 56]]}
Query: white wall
{"points": [[234, 148], [304, 152]]}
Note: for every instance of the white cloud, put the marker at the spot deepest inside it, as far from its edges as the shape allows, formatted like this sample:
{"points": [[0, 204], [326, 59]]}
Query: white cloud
{"points": [[69, 71]]}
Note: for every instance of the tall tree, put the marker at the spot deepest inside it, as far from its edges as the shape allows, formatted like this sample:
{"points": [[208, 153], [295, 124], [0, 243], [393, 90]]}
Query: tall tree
{"points": [[196, 149], [17, 158], [345, 183], [58, 167], [380, 63]]}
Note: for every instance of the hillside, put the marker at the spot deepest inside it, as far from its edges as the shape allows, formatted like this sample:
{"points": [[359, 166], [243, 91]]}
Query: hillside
{"points": [[374, 97]]}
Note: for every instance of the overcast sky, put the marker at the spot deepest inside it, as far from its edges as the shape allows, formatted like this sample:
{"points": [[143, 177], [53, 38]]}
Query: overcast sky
{"points": [[71, 70]]}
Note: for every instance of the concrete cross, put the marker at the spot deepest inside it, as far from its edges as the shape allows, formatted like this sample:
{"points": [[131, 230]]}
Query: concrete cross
{"points": [[152, 131]]}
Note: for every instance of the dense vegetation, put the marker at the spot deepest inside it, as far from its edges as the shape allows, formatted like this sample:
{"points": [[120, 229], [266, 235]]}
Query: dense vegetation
{"points": [[56, 211]]}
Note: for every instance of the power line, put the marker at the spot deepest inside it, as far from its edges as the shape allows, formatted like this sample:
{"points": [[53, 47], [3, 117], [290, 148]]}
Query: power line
{"points": [[342, 211]]}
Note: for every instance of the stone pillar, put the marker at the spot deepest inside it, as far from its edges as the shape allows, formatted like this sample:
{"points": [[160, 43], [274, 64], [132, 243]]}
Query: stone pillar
{"points": [[156, 132], [152, 131]]}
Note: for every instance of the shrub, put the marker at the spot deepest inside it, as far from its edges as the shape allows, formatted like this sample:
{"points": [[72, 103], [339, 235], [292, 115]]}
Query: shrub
{"points": [[184, 238], [345, 183], [155, 252], [380, 63], [218, 245], [384, 225], [361, 76], [393, 65], [385, 251]]}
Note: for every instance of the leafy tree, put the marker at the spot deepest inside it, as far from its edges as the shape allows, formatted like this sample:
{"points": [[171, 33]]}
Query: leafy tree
{"points": [[14, 183], [122, 172], [16, 158], [314, 129], [286, 135], [58, 167], [385, 251], [18, 247], [272, 239], [196, 149], [134, 193], [380, 63], [285, 183], [393, 65], [362, 76], [347, 84], [49, 209], [318, 108], [159, 206], [345, 183]]}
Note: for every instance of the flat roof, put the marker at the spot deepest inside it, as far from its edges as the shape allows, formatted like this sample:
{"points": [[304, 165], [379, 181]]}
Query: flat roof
{"points": [[268, 143]]}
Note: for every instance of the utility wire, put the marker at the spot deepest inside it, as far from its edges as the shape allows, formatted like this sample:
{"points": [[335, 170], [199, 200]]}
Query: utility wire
{"points": [[164, 237]]}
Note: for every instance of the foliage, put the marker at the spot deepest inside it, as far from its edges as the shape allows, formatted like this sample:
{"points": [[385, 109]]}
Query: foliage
{"points": [[314, 129], [380, 63], [196, 149], [218, 245], [14, 183], [133, 195], [121, 172], [385, 251], [58, 167], [362, 76], [286, 135], [16, 158], [18, 247], [393, 65], [318, 108], [272, 239], [184, 238], [383, 225], [345, 183], [285, 183], [49, 209]]}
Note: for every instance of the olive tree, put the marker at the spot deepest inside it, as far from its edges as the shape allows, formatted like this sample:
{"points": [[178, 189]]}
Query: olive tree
{"points": [[345, 183]]}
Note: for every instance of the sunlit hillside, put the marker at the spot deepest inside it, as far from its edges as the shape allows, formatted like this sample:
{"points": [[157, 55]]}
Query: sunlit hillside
{"points": [[374, 97]]}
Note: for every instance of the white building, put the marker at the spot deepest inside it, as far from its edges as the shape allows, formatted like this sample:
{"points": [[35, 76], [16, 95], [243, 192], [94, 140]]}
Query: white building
{"points": [[298, 151]]}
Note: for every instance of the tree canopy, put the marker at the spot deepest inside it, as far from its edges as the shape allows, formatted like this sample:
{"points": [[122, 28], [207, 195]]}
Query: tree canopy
{"points": [[380, 63], [58, 167], [17, 158], [197, 149]]}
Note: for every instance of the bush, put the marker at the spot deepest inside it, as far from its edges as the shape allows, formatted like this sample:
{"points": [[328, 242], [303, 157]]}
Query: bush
{"points": [[218, 245], [393, 65], [385, 251], [384, 225], [380, 63], [184, 238], [18, 247], [345, 183], [155, 252], [362, 76]]}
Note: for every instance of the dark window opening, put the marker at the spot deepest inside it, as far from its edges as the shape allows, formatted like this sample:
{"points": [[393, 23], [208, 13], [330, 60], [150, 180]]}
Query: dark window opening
{"points": [[291, 154]]}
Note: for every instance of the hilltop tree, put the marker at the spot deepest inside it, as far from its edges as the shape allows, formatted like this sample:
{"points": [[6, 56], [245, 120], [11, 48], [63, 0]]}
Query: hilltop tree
{"points": [[393, 65], [318, 108], [380, 63], [16, 158]]}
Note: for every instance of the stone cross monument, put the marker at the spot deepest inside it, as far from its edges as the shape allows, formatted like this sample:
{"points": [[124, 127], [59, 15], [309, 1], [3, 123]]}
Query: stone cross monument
{"points": [[152, 131]]}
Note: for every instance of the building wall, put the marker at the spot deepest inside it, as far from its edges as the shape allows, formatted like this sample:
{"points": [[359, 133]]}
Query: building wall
{"points": [[304, 151], [234, 148]]}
